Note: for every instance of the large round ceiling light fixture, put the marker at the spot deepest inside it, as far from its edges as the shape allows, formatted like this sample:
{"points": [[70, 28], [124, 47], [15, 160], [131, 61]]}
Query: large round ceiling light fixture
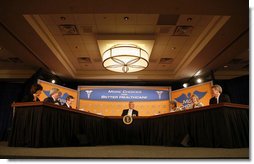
{"points": [[125, 58]]}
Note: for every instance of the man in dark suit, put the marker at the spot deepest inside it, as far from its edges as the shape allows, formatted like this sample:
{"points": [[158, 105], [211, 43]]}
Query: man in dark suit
{"points": [[218, 97], [69, 101], [131, 111], [54, 96]]}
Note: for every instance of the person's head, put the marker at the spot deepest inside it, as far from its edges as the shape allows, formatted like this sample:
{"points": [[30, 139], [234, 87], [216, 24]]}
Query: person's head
{"points": [[59, 94], [194, 98], [172, 104], [216, 90], [36, 89], [131, 105], [54, 92], [69, 100]]}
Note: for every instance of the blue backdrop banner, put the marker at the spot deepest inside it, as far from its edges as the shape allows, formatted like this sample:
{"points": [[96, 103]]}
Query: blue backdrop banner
{"points": [[123, 94]]}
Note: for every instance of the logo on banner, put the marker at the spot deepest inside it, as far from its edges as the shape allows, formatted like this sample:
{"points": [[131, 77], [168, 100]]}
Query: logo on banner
{"points": [[89, 92], [185, 99], [159, 93]]}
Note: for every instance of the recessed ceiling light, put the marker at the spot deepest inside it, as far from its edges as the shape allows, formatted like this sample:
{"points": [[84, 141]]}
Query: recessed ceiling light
{"points": [[126, 18], [53, 81], [189, 19], [225, 66], [63, 18]]}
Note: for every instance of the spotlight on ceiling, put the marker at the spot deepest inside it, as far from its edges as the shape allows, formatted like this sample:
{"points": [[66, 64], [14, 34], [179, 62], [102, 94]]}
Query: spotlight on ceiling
{"points": [[63, 18], [199, 80], [189, 19], [126, 18], [185, 85], [53, 81]]}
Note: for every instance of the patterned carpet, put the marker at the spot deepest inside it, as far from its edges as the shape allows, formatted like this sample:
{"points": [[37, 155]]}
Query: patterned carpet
{"points": [[123, 151]]}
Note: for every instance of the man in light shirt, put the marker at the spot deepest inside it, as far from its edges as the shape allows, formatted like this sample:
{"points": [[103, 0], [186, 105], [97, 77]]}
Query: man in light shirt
{"points": [[131, 111], [218, 97]]}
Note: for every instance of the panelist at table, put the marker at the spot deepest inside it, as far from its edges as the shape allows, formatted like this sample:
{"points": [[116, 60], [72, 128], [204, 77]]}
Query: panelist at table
{"points": [[195, 102], [218, 97], [34, 93], [131, 111], [69, 101], [54, 96], [173, 106]]}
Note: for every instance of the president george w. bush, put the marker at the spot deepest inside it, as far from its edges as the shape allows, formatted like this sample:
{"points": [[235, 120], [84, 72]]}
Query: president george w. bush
{"points": [[131, 111]]}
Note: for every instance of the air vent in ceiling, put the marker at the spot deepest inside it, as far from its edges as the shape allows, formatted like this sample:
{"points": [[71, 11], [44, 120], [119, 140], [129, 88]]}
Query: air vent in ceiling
{"points": [[15, 60], [183, 31], [166, 60], [85, 60], [68, 29], [167, 19]]}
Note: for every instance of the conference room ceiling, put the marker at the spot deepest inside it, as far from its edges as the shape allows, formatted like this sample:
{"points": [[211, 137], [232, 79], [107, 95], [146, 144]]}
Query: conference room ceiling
{"points": [[185, 39]]}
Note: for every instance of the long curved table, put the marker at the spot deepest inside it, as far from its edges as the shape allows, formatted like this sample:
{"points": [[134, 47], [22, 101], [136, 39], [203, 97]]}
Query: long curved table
{"points": [[39, 124]]}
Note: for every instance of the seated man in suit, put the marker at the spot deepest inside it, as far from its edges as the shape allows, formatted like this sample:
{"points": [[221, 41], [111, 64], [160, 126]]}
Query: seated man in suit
{"points": [[54, 96], [69, 101], [218, 97], [131, 111]]}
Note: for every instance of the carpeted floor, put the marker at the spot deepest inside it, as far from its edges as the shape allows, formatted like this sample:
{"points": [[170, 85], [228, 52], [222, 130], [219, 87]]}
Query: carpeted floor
{"points": [[122, 151]]}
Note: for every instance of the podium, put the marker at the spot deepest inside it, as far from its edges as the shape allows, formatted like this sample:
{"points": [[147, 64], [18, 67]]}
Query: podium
{"points": [[39, 124]]}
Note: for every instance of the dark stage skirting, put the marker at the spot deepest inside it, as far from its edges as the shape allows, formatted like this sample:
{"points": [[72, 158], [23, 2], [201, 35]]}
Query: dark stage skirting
{"points": [[45, 125]]}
